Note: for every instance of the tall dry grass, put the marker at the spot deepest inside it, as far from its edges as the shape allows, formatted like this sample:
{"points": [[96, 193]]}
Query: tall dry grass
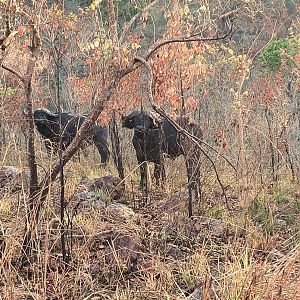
{"points": [[160, 253]]}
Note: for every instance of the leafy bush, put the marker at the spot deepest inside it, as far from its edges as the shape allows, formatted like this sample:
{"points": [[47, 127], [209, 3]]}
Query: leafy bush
{"points": [[278, 51]]}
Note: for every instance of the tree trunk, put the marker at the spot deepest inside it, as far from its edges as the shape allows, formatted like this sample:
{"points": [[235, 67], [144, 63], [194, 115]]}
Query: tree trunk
{"points": [[31, 216], [116, 147]]}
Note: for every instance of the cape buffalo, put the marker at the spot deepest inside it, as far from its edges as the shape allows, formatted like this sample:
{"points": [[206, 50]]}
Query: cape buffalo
{"points": [[48, 125], [154, 138]]}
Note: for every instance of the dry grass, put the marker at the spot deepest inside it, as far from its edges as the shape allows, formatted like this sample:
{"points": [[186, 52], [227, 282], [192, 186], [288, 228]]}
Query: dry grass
{"points": [[160, 254]]}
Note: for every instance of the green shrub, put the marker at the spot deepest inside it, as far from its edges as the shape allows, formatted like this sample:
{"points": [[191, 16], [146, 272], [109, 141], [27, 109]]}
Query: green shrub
{"points": [[278, 51]]}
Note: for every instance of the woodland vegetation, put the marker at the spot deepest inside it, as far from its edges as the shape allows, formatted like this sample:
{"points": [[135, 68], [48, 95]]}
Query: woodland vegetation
{"points": [[234, 67]]}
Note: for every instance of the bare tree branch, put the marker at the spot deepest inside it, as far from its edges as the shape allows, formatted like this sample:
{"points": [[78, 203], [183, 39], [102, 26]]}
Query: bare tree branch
{"points": [[193, 38], [113, 26], [11, 70], [34, 189], [35, 50], [5, 36], [136, 63]]}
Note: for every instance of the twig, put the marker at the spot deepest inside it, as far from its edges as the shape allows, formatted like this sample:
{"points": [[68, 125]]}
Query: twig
{"points": [[192, 38], [136, 63], [11, 70]]}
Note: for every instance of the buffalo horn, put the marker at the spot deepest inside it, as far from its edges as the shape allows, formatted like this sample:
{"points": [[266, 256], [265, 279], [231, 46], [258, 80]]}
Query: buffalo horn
{"points": [[48, 112]]}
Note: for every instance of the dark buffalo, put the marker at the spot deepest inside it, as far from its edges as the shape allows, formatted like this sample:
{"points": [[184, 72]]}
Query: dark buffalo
{"points": [[152, 138], [48, 125]]}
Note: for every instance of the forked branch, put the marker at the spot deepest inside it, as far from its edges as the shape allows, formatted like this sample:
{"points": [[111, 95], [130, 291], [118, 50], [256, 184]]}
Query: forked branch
{"points": [[192, 38], [196, 37]]}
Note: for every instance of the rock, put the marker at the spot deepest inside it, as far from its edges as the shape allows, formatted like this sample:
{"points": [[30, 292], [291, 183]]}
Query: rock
{"points": [[112, 186], [175, 203], [123, 253], [86, 201], [54, 224], [196, 295], [120, 212], [146, 264], [175, 252], [95, 270], [216, 227], [97, 193], [11, 178]]}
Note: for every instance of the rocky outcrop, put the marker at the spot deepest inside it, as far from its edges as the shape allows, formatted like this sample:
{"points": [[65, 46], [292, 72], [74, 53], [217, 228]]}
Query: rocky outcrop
{"points": [[112, 186]]}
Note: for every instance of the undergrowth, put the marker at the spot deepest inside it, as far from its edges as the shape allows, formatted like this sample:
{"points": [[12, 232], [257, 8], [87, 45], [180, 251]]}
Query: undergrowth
{"points": [[250, 252]]}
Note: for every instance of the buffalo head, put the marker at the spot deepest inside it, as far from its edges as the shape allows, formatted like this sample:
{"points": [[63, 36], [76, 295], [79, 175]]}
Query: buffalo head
{"points": [[141, 121], [42, 115]]}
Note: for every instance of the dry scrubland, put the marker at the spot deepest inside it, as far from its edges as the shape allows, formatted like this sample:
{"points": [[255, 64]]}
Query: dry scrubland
{"points": [[237, 73], [250, 252]]}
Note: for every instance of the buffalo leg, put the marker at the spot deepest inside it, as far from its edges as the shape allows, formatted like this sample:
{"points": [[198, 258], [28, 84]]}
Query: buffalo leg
{"points": [[144, 177], [197, 182], [163, 173], [104, 152], [159, 174], [144, 182]]}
